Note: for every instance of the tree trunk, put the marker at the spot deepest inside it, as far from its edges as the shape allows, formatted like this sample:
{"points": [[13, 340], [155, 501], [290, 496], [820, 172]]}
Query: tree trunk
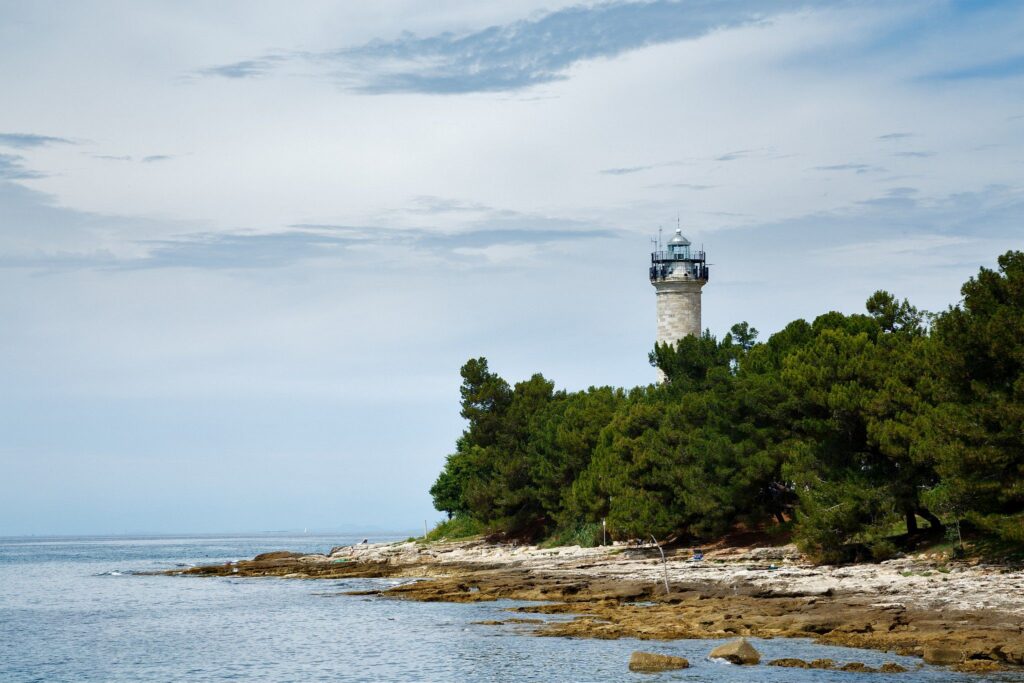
{"points": [[934, 521], [911, 522]]}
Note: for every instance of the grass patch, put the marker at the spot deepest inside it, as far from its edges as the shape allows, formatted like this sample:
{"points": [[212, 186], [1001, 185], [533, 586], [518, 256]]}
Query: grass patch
{"points": [[455, 528], [586, 535]]}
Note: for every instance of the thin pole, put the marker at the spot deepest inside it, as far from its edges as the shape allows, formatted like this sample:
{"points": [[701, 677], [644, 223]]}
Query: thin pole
{"points": [[664, 563]]}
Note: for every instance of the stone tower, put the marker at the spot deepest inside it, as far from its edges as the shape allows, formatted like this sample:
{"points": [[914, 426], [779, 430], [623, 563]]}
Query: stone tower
{"points": [[678, 273]]}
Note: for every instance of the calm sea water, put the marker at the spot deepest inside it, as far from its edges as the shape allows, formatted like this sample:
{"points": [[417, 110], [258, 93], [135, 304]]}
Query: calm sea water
{"points": [[74, 609]]}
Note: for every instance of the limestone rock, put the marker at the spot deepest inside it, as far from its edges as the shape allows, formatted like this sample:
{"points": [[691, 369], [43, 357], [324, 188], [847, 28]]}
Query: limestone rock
{"points": [[941, 654], [648, 662], [892, 668], [737, 652]]}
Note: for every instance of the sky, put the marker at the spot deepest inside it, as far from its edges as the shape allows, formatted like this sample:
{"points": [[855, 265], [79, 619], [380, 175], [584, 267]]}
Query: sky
{"points": [[245, 247]]}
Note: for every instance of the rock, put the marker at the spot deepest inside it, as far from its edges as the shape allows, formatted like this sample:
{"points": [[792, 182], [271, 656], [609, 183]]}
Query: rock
{"points": [[1011, 653], [941, 654], [737, 652], [276, 555], [823, 664], [979, 666], [790, 663], [892, 668], [859, 667], [648, 662]]}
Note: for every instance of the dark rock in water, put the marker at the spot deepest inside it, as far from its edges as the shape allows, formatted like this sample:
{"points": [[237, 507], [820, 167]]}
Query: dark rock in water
{"points": [[858, 667], [790, 663], [737, 652], [940, 654], [276, 555], [892, 668], [648, 662], [823, 664]]}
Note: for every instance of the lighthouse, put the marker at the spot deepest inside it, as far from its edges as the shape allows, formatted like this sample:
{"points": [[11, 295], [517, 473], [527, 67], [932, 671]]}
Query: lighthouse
{"points": [[678, 273]]}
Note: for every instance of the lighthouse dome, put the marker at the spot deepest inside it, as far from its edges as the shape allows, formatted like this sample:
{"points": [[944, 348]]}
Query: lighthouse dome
{"points": [[679, 240]]}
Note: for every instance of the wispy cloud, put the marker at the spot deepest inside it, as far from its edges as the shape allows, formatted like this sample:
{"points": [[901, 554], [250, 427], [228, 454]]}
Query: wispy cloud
{"points": [[11, 168], [247, 68], [1009, 67], [856, 168], [516, 55], [914, 155], [427, 204], [626, 170], [29, 140], [681, 186], [733, 156], [156, 157], [309, 241], [895, 136]]}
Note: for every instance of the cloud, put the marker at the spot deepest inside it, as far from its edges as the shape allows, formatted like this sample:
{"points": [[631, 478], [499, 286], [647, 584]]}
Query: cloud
{"points": [[427, 204], [766, 153], [681, 186], [1009, 67], [156, 157], [914, 155], [626, 170], [247, 68], [217, 250], [732, 156], [111, 157], [11, 168], [858, 168], [915, 245], [39, 234], [29, 140], [895, 136], [516, 55], [271, 250]]}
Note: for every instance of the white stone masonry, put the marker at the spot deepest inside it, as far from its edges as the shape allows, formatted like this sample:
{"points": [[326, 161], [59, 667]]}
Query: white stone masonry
{"points": [[678, 298]]}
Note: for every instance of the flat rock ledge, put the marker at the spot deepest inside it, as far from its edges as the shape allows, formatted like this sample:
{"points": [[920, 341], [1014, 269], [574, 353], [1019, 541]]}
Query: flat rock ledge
{"points": [[649, 662], [966, 616]]}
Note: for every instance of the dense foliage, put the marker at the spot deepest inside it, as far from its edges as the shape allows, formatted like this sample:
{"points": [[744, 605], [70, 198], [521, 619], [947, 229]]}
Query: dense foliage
{"points": [[842, 429]]}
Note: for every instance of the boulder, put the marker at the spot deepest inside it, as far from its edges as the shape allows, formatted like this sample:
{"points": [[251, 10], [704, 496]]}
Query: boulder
{"points": [[737, 652], [942, 654], [860, 667], [823, 664], [649, 662], [892, 668]]}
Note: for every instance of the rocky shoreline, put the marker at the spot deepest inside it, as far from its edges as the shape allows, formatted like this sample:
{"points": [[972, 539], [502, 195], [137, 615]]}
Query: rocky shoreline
{"points": [[966, 615]]}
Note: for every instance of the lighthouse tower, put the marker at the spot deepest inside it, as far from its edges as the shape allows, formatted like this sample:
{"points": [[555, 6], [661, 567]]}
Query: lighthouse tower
{"points": [[678, 273]]}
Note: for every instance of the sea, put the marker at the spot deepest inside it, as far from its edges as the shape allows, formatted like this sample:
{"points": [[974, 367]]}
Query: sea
{"points": [[85, 609]]}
